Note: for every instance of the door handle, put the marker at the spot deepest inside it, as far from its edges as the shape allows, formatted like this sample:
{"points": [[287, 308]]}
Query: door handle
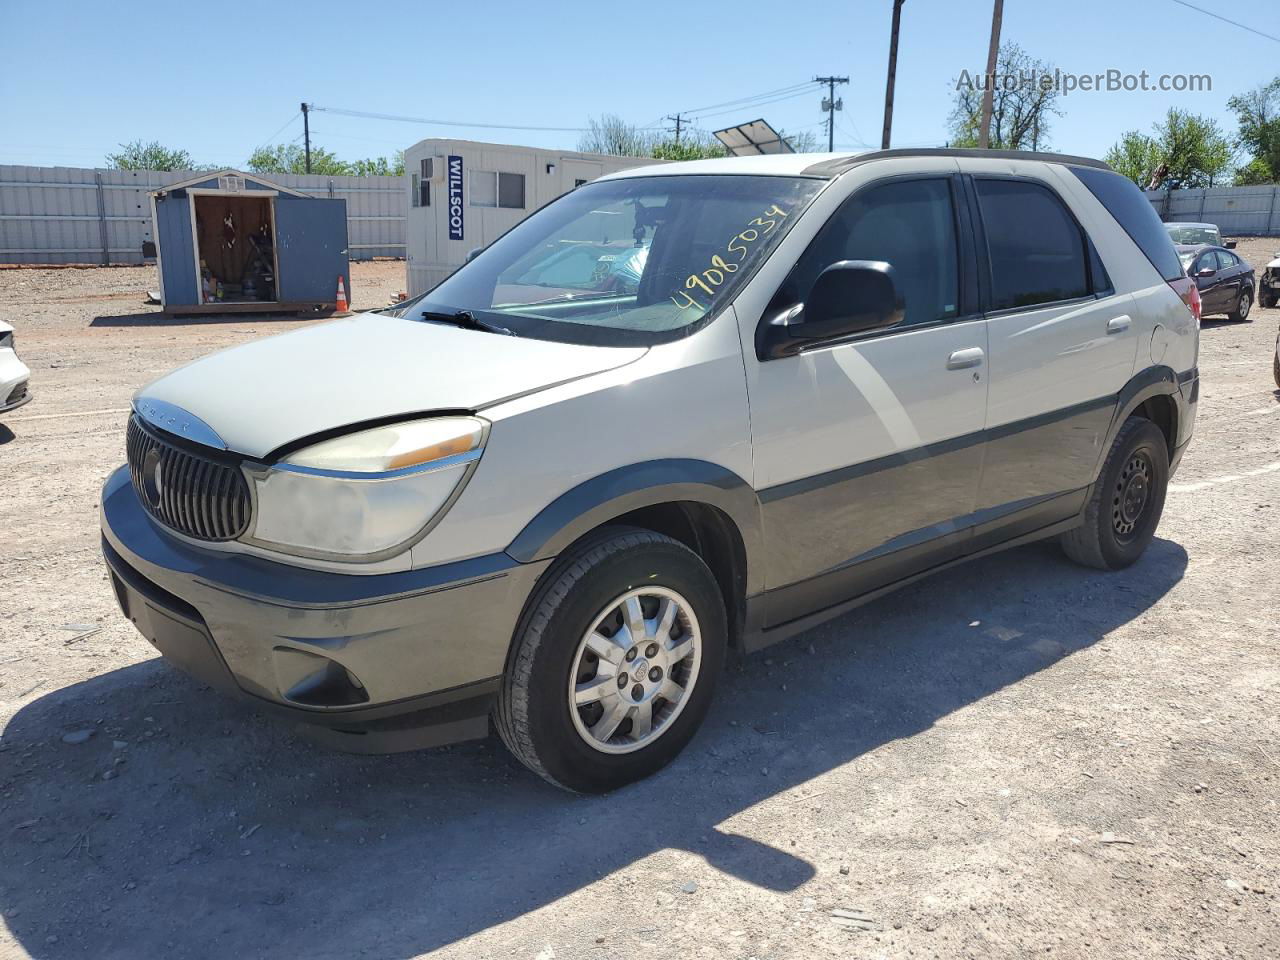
{"points": [[1118, 324], [963, 359]]}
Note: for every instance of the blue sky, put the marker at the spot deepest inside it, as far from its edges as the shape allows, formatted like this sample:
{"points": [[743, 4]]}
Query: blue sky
{"points": [[82, 77]]}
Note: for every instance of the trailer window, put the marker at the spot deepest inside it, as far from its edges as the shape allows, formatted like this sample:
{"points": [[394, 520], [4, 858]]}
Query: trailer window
{"points": [[636, 260], [491, 189]]}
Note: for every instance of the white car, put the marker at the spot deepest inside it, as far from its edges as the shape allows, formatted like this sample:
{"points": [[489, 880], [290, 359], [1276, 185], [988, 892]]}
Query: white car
{"points": [[1269, 283], [544, 496], [13, 373]]}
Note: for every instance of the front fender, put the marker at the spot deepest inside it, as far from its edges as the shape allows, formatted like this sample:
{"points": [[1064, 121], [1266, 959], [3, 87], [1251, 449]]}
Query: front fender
{"points": [[610, 495]]}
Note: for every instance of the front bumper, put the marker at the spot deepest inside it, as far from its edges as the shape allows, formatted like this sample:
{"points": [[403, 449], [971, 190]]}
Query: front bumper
{"points": [[368, 663], [14, 378]]}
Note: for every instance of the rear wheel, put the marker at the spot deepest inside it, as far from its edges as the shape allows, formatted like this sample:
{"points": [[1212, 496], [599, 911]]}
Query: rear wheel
{"points": [[616, 662], [1124, 507], [1241, 312]]}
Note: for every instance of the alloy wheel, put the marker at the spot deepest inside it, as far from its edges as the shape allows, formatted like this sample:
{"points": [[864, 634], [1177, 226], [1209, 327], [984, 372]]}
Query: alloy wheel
{"points": [[634, 670]]}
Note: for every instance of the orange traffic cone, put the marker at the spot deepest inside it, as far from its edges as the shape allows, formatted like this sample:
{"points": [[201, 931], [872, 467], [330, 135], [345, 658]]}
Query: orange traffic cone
{"points": [[342, 296]]}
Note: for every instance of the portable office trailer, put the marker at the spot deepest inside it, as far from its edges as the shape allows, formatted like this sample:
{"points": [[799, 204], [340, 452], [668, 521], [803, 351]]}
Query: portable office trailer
{"points": [[464, 195], [233, 242]]}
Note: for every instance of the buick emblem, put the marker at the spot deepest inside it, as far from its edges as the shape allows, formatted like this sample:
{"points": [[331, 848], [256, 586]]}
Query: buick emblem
{"points": [[151, 480]]}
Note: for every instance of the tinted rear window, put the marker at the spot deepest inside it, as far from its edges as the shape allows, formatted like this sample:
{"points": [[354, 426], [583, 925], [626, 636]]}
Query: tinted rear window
{"points": [[1135, 214]]}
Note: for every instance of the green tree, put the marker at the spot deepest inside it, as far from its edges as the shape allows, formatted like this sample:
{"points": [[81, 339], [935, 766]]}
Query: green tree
{"points": [[1258, 115], [291, 158], [1183, 150], [1194, 150], [379, 167], [1257, 172], [1136, 156], [1023, 100], [138, 155]]}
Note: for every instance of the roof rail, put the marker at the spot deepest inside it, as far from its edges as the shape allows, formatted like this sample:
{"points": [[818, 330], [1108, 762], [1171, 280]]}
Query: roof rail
{"points": [[833, 168]]}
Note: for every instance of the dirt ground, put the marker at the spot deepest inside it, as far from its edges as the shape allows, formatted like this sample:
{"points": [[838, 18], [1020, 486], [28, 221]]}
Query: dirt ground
{"points": [[1016, 757]]}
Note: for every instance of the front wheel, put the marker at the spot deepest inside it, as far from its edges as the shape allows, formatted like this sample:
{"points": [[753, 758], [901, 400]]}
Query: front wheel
{"points": [[615, 663], [1241, 312], [1125, 504], [1267, 299]]}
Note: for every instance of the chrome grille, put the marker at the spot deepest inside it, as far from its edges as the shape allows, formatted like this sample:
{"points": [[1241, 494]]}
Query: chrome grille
{"points": [[195, 495]]}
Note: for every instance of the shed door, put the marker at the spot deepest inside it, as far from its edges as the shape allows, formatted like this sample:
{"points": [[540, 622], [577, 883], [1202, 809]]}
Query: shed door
{"points": [[311, 249]]}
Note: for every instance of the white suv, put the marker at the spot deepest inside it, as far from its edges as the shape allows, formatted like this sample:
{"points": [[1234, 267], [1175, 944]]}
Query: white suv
{"points": [[681, 409]]}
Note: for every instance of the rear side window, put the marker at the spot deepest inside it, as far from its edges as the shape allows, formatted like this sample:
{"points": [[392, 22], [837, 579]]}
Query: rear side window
{"points": [[1134, 213], [1226, 260], [1037, 250]]}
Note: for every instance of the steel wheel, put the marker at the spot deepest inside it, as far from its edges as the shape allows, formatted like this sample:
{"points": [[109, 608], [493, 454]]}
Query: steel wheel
{"points": [[1131, 496], [634, 670]]}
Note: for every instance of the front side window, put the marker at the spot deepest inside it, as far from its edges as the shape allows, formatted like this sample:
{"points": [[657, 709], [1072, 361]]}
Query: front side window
{"points": [[911, 225], [1036, 250], [638, 260], [1206, 262]]}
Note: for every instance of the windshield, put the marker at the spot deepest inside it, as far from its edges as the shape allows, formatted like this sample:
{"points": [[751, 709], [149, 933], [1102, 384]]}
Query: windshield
{"points": [[1186, 259], [1181, 233], [625, 262]]}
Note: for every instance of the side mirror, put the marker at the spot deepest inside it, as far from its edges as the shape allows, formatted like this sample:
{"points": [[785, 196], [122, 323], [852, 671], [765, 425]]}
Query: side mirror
{"points": [[1229, 244], [1206, 272], [849, 297], [473, 253]]}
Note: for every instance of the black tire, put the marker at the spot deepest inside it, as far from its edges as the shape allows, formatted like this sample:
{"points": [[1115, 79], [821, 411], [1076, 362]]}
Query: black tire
{"points": [[1267, 299], [1116, 531], [533, 712], [1243, 303]]}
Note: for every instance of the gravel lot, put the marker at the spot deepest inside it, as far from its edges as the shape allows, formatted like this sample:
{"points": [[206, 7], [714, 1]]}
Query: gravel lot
{"points": [[1019, 756]]}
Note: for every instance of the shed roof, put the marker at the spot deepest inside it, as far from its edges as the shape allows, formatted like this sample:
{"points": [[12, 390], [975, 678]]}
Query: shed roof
{"points": [[228, 172]]}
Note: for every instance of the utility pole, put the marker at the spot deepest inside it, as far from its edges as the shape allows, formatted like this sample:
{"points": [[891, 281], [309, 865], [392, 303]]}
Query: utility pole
{"points": [[678, 120], [988, 94], [893, 70], [306, 133], [831, 105]]}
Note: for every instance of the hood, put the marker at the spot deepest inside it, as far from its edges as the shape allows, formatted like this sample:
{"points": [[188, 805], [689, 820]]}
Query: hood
{"points": [[263, 395]]}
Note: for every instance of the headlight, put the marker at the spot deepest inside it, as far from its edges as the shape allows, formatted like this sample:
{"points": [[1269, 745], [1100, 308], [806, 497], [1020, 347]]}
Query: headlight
{"points": [[366, 495]]}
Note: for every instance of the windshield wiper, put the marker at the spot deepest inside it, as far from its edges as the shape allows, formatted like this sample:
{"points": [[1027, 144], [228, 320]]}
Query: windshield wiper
{"points": [[467, 321]]}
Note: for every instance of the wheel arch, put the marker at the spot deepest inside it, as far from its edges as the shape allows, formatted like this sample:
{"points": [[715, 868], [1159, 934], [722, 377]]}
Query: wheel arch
{"points": [[705, 506], [1153, 394]]}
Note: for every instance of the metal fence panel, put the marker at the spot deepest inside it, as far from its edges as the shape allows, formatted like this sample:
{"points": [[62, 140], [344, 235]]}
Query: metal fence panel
{"points": [[79, 215], [1237, 211]]}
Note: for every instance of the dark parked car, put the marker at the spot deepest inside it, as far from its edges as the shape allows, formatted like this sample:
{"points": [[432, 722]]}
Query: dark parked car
{"points": [[1226, 283]]}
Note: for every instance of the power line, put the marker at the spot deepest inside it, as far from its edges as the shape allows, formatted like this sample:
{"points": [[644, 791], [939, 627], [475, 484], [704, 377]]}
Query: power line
{"points": [[756, 103], [366, 115], [755, 96], [283, 127], [1216, 16]]}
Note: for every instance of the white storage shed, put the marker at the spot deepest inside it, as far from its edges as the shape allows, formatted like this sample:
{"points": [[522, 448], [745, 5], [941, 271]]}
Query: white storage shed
{"points": [[465, 195]]}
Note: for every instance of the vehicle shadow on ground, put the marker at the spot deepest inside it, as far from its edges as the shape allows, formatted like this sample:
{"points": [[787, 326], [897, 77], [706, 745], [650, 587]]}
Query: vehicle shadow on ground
{"points": [[157, 319], [217, 833], [6, 434]]}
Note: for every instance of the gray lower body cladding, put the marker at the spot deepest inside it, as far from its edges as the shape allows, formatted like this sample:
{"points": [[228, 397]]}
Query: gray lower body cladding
{"points": [[367, 663]]}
